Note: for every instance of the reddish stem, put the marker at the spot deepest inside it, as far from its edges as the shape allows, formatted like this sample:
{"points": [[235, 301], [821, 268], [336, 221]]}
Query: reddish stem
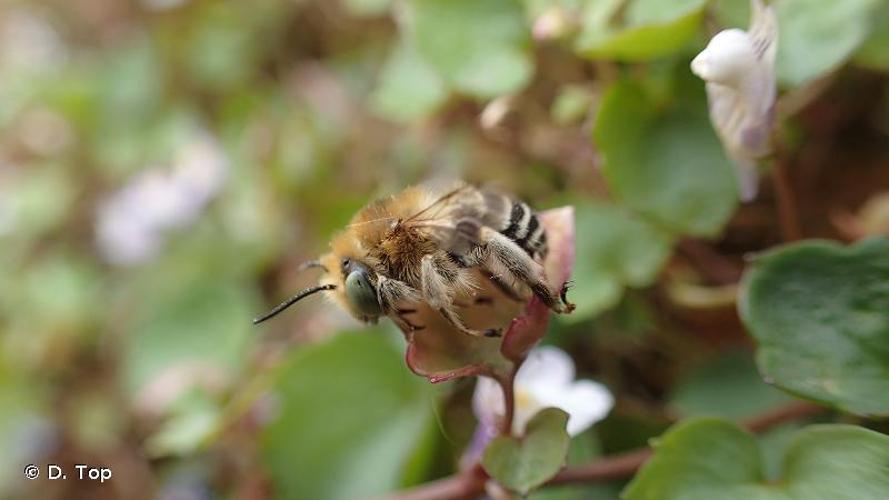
{"points": [[790, 226], [467, 484], [715, 267], [626, 464], [783, 414], [507, 384]]}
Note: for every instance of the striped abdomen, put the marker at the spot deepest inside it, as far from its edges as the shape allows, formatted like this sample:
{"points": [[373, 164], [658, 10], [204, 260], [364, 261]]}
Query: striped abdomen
{"points": [[525, 229]]}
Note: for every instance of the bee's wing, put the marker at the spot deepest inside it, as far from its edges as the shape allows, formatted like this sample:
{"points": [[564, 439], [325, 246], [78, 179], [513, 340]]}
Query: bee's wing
{"points": [[453, 219], [441, 206]]}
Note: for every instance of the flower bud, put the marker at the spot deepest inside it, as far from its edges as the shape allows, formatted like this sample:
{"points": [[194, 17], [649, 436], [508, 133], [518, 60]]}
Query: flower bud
{"points": [[552, 24], [739, 70]]}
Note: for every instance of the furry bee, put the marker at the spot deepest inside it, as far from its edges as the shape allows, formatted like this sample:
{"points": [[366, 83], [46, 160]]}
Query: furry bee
{"points": [[425, 245]]}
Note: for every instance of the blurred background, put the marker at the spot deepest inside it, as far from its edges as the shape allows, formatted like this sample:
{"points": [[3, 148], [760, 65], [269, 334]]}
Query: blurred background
{"points": [[165, 165]]}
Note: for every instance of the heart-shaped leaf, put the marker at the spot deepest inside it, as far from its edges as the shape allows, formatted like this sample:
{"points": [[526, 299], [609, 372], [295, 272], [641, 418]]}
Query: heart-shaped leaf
{"points": [[709, 458], [820, 315], [523, 463]]}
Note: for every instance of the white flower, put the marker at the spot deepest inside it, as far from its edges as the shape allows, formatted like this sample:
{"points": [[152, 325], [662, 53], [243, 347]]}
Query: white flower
{"points": [[546, 379], [739, 68], [132, 222]]}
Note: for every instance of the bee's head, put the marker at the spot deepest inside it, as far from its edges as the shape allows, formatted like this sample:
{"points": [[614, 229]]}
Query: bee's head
{"points": [[348, 277], [359, 289]]}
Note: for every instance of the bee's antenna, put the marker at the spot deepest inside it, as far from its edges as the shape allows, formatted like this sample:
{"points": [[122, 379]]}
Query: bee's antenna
{"points": [[310, 264], [292, 300]]}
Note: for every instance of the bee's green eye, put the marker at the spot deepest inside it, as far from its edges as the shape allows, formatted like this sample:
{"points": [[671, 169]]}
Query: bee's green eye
{"points": [[362, 294]]}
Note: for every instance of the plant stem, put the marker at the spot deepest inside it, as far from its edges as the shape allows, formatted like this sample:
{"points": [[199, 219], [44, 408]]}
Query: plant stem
{"points": [[790, 226], [611, 467], [626, 464], [709, 263], [507, 384], [783, 414], [466, 484], [471, 483]]}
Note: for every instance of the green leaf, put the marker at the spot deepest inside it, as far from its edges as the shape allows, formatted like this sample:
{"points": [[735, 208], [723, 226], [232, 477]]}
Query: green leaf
{"points": [[874, 52], [820, 315], [204, 326], [817, 36], [350, 415], [22, 403], [368, 7], [409, 88], [480, 47], [650, 29], [727, 386], [706, 458], [614, 249], [584, 448], [194, 416], [521, 464], [668, 163], [571, 105], [221, 47]]}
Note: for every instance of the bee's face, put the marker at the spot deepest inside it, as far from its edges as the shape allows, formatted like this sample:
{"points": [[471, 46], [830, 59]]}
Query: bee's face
{"points": [[360, 290]]}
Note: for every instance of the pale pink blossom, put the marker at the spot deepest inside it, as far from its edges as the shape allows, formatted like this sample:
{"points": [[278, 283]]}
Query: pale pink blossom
{"points": [[132, 223]]}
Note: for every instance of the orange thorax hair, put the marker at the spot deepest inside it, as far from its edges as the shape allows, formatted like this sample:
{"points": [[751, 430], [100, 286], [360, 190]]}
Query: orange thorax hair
{"points": [[375, 237]]}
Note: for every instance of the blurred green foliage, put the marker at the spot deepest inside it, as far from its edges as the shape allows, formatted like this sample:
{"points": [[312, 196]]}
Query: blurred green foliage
{"points": [[293, 114], [821, 462], [348, 408], [819, 313]]}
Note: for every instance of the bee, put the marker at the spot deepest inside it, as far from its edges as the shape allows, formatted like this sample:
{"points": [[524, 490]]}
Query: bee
{"points": [[427, 245]]}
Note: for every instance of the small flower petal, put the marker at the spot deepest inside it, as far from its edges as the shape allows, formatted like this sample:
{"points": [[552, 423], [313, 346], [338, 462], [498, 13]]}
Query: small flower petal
{"points": [[546, 379], [546, 367], [585, 401], [487, 401]]}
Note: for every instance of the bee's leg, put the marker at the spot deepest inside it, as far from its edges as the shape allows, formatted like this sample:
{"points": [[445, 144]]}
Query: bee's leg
{"points": [[504, 287], [483, 300], [504, 253], [400, 318], [437, 281], [392, 292]]}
